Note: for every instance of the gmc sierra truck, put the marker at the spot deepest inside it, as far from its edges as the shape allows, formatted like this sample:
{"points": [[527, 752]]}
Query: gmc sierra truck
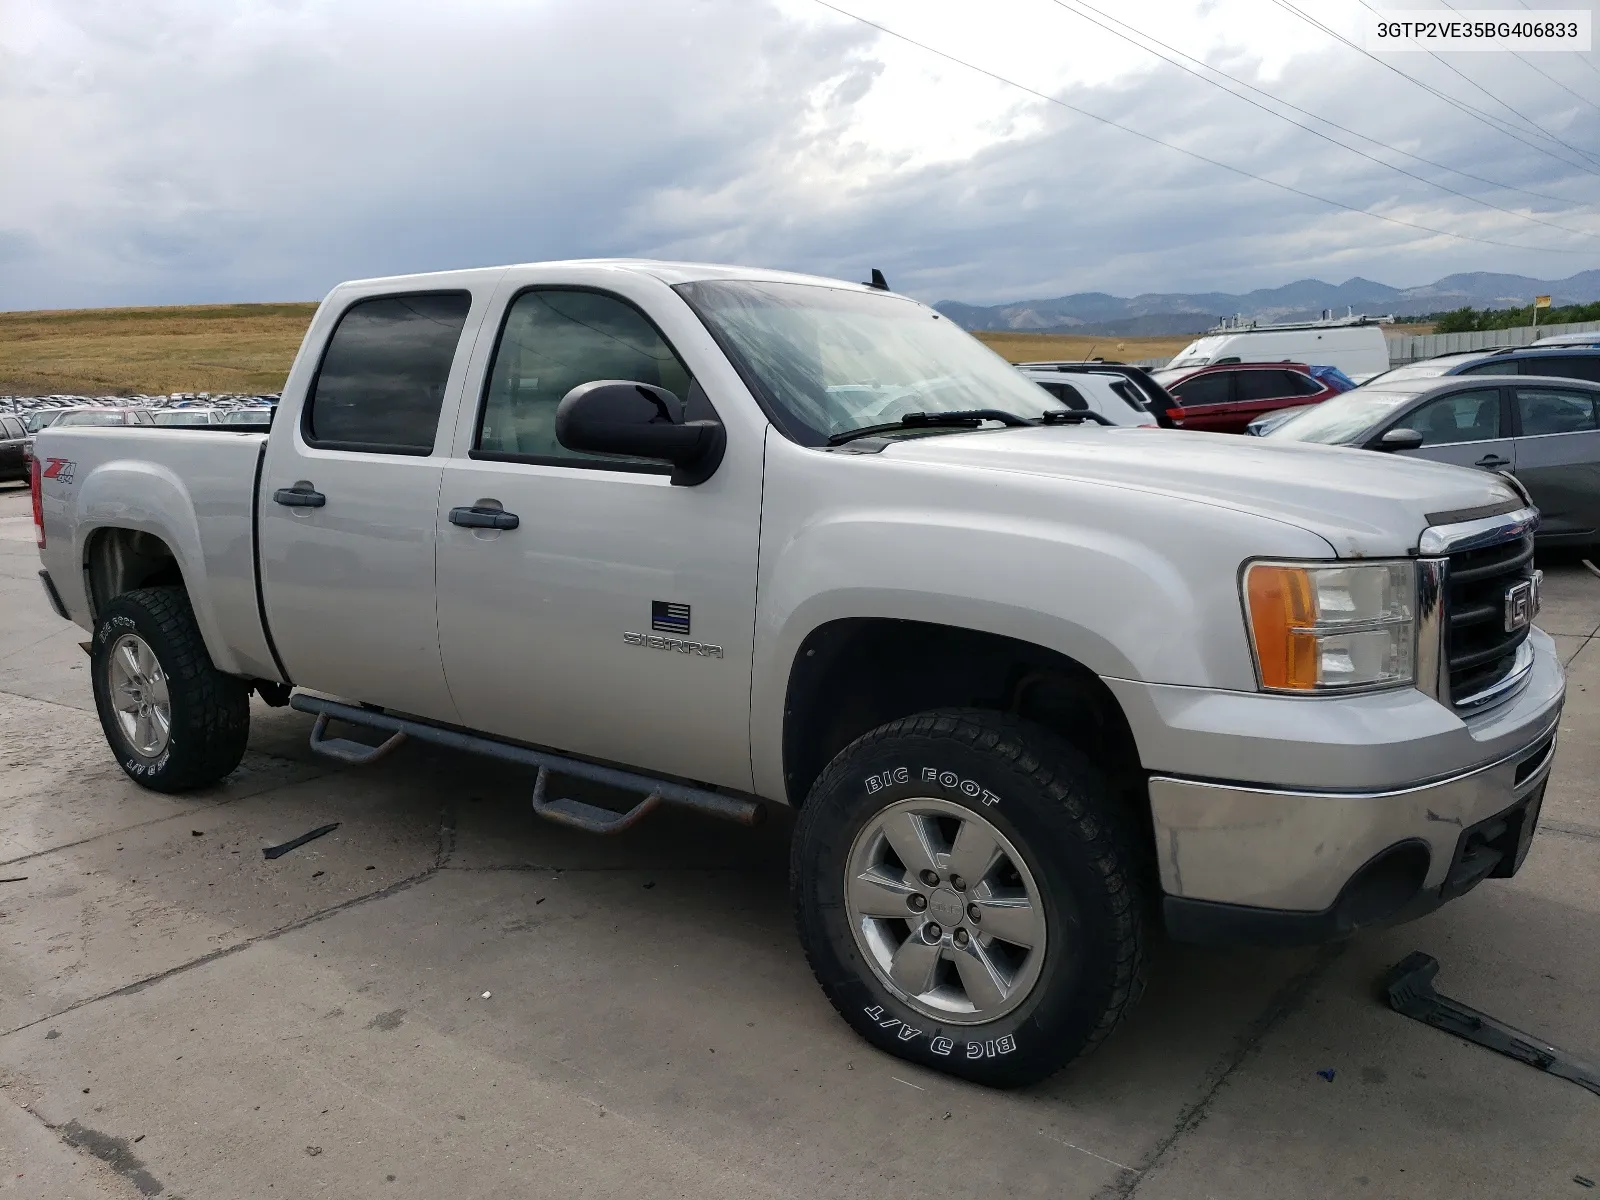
{"points": [[730, 538]]}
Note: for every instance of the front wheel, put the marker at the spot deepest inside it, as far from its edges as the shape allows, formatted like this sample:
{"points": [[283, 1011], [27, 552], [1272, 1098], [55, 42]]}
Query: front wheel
{"points": [[173, 720], [966, 891]]}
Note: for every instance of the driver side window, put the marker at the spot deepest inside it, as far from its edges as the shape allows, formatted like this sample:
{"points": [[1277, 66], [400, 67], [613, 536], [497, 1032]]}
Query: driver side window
{"points": [[553, 340], [1459, 417]]}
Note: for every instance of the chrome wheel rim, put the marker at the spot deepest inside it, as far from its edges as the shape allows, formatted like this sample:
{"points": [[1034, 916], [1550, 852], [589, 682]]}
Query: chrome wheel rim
{"points": [[139, 695], [945, 911]]}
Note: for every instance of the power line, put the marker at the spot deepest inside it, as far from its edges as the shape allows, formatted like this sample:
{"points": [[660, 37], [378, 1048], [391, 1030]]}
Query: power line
{"points": [[1083, 112], [1070, 7], [1537, 69], [1516, 112], [1324, 120], [1581, 59], [1478, 114]]}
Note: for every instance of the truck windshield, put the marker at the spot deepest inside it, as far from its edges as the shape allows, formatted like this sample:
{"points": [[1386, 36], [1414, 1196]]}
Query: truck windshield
{"points": [[833, 360], [1197, 353]]}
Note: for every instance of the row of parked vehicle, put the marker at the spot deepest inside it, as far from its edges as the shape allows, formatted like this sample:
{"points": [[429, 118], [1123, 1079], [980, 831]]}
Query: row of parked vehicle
{"points": [[1543, 429], [17, 430]]}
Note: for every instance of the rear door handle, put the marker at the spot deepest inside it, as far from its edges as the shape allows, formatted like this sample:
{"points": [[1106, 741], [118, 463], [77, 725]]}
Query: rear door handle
{"points": [[1493, 461], [299, 498], [475, 517]]}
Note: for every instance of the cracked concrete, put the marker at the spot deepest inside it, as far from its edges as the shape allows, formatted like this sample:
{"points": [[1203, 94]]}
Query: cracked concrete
{"points": [[177, 1012]]}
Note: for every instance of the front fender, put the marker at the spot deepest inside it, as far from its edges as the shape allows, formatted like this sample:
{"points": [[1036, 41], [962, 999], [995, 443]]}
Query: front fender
{"points": [[1130, 584]]}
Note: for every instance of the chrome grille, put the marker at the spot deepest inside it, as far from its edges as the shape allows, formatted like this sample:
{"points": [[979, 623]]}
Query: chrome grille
{"points": [[1478, 650]]}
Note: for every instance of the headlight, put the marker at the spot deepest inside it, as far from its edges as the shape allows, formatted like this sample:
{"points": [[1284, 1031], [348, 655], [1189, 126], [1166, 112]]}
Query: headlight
{"points": [[1332, 628]]}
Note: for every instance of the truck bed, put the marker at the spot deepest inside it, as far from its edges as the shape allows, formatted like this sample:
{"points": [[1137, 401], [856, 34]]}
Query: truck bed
{"points": [[195, 488]]}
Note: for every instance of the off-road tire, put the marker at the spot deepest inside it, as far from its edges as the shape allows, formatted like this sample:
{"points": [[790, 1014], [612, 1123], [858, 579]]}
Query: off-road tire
{"points": [[1081, 847], [210, 710]]}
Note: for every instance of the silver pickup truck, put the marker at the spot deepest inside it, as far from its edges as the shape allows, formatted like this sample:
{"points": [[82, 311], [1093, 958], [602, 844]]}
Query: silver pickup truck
{"points": [[730, 538]]}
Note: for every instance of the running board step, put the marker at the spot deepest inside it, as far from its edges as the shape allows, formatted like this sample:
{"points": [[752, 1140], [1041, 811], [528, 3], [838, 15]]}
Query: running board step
{"points": [[356, 753], [573, 813]]}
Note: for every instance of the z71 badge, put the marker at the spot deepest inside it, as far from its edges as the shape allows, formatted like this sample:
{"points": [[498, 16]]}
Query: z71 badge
{"points": [[58, 468]]}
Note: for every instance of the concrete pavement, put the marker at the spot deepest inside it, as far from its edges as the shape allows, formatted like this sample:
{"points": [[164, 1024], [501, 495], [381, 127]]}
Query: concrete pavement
{"points": [[179, 1017]]}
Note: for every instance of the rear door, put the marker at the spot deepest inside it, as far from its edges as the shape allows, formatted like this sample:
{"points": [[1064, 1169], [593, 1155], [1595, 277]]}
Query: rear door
{"points": [[348, 499], [1266, 389], [1207, 400], [1466, 428], [12, 439], [1558, 457]]}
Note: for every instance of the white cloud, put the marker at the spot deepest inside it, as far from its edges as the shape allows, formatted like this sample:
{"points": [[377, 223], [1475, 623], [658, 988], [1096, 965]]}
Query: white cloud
{"points": [[264, 149]]}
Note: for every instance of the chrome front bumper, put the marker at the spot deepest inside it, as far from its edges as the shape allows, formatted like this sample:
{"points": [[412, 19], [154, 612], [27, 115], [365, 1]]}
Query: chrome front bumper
{"points": [[1287, 850]]}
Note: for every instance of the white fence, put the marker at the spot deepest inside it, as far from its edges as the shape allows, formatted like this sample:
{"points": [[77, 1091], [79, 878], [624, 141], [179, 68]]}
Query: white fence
{"points": [[1411, 348]]}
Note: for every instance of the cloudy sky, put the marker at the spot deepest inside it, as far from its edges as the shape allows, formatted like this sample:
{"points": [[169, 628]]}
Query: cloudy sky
{"points": [[173, 152]]}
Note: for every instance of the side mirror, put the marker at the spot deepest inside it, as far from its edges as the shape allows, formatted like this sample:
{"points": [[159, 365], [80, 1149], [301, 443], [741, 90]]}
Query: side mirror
{"points": [[614, 416], [1399, 439]]}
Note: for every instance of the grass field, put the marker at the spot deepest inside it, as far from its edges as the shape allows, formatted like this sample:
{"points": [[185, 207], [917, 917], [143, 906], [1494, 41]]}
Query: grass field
{"points": [[248, 348], [119, 351]]}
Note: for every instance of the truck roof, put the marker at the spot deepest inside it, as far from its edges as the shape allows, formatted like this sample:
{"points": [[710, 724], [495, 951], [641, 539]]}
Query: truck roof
{"points": [[667, 271]]}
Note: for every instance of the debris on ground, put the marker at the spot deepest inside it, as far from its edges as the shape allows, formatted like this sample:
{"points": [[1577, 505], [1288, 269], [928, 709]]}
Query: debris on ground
{"points": [[13, 879], [313, 1151], [1583, 1181], [197, 833], [296, 843], [1326, 1073], [486, 995], [1408, 986]]}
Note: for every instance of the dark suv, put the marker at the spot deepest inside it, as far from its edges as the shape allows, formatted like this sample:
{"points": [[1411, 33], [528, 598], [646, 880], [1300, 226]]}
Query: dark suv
{"points": [[1564, 362]]}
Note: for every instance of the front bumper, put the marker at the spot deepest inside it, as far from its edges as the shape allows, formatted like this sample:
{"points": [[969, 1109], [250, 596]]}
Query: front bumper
{"points": [[1244, 863]]}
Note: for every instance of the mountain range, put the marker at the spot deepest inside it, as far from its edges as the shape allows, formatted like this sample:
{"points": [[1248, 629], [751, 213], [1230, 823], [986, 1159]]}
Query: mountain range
{"points": [[1169, 313]]}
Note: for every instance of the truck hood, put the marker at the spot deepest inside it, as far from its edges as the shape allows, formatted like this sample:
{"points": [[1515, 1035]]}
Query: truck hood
{"points": [[1365, 503]]}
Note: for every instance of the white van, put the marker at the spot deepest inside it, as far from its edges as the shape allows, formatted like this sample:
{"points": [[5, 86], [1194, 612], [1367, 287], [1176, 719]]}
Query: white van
{"points": [[1355, 345]]}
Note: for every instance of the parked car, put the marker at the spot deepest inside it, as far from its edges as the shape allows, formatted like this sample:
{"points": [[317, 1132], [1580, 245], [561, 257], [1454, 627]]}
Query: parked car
{"points": [[1155, 397], [1225, 399], [41, 417], [15, 444], [1592, 338], [720, 537], [1574, 362], [1355, 345], [1543, 431], [254, 418], [103, 417], [1110, 396], [1261, 426], [186, 416]]}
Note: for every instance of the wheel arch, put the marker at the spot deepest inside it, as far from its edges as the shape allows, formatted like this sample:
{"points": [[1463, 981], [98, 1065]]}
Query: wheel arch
{"points": [[854, 674]]}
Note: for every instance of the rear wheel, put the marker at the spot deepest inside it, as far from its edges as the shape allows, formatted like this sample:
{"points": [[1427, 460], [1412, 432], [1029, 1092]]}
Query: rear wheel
{"points": [[173, 720], [965, 888]]}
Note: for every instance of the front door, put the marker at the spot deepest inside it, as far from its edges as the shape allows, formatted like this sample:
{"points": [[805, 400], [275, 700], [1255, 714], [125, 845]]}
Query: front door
{"points": [[1558, 457], [615, 619], [1464, 428], [348, 502]]}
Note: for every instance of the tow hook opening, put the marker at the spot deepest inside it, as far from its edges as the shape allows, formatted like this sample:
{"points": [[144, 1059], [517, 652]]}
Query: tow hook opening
{"points": [[1391, 880]]}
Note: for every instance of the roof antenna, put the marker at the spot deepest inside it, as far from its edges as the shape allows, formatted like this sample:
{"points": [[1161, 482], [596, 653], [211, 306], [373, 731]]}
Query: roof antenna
{"points": [[877, 281]]}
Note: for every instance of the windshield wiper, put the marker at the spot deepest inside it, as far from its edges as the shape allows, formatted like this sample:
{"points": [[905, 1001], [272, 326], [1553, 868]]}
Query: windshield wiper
{"points": [[969, 418]]}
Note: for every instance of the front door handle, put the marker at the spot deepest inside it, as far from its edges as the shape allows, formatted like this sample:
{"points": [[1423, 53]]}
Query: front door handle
{"points": [[298, 497], [1493, 461], [477, 517]]}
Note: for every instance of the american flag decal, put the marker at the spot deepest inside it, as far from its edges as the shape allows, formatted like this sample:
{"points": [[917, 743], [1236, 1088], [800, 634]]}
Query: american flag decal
{"points": [[669, 618]]}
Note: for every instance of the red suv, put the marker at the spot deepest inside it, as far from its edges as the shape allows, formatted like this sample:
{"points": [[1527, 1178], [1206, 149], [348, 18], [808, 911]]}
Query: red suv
{"points": [[1227, 397]]}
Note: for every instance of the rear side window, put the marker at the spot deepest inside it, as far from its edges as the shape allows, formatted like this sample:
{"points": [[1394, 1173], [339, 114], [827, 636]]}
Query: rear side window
{"points": [[1499, 366], [1554, 410], [553, 340], [12, 427], [1067, 394], [382, 379], [1206, 389], [1567, 366], [1269, 385], [1130, 397]]}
